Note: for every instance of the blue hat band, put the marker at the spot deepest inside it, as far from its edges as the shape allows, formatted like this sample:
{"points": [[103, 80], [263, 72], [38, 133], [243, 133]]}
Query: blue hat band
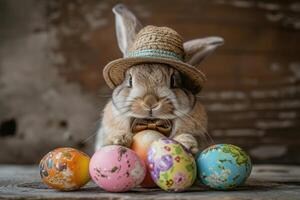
{"points": [[154, 53]]}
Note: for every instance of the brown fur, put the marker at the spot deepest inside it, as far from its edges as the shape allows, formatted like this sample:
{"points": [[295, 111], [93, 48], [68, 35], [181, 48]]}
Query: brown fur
{"points": [[151, 90]]}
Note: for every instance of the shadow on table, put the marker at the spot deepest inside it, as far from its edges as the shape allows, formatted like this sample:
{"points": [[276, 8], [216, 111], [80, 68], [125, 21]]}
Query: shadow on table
{"points": [[91, 187]]}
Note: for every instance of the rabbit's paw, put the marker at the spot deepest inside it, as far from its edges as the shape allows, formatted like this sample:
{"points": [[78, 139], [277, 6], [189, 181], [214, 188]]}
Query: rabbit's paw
{"points": [[122, 139], [188, 141]]}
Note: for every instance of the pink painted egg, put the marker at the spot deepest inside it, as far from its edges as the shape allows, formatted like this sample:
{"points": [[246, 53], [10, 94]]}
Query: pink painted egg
{"points": [[116, 169]]}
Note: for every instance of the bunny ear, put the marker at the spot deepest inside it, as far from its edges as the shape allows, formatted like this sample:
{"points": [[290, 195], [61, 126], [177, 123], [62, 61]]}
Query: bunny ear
{"points": [[127, 26], [196, 50]]}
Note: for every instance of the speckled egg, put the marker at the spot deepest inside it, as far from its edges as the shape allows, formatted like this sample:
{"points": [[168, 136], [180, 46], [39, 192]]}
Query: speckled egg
{"points": [[65, 169], [141, 144], [223, 166], [172, 167], [116, 169]]}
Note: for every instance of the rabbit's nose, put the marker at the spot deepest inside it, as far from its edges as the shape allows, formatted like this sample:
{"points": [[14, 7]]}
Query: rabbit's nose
{"points": [[150, 100]]}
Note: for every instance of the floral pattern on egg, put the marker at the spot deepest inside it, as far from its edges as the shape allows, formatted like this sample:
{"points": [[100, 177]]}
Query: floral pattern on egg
{"points": [[116, 169], [172, 167]]}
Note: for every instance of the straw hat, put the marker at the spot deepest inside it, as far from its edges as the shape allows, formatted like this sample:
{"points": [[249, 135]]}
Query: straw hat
{"points": [[153, 45]]}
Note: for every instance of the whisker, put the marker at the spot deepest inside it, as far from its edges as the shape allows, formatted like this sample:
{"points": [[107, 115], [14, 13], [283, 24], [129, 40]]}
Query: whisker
{"points": [[123, 101], [119, 102], [203, 136], [206, 134], [104, 96], [83, 141], [89, 137], [116, 103], [95, 133], [126, 111], [123, 108], [180, 104]]}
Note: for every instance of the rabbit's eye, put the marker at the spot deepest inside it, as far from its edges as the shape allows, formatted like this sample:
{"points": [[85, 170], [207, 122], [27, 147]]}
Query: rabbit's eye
{"points": [[174, 82], [130, 81]]}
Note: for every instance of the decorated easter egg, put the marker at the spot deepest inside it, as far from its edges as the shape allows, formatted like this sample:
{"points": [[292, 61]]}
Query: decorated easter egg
{"points": [[65, 169], [140, 145], [223, 166], [116, 169], [172, 167]]}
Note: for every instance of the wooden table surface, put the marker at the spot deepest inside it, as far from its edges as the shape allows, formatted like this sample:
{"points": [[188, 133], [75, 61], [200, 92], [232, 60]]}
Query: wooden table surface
{"points": [[266, 182]]}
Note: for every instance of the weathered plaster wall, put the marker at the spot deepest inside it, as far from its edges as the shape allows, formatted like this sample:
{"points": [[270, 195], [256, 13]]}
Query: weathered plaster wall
{"points": [[52, 54], [39, 108]]}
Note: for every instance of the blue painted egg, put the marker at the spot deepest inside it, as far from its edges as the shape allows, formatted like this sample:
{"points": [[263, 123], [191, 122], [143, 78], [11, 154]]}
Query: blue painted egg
{"points": [[223, 166]]}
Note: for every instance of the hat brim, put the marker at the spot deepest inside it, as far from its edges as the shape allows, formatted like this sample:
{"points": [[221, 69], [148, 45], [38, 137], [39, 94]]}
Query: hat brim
{"points": [[114, 72]]}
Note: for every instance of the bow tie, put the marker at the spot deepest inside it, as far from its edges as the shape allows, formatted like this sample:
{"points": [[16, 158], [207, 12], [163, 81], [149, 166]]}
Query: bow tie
{"points": [[160, 125]]}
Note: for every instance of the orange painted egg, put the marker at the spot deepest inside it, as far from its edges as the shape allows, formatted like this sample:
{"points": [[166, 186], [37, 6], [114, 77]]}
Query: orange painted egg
{"points": [[141, 143], [65, 169]]}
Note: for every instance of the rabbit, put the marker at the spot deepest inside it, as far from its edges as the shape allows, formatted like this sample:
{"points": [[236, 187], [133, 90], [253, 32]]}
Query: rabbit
{"points": [[155, 91]]}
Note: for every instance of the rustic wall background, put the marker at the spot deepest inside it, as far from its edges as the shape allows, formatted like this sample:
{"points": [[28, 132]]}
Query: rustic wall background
{"points": [[52, 54]]}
